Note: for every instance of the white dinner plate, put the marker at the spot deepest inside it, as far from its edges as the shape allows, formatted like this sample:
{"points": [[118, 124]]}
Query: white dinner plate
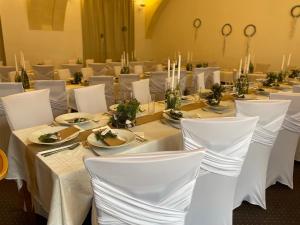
{"points": [[62, 119], [184, 115], [34, 137], [122, 134]]}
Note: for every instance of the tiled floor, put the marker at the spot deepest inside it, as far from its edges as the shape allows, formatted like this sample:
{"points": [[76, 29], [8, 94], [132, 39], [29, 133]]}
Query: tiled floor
{"points": [[283, 207]]}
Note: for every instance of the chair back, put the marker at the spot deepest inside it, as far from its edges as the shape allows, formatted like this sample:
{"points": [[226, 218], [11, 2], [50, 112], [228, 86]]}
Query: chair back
{"points": [[133, 190], [87, 72], [73, 67], [296, 88], [141, 91], [109, 87], [3, 165], [64, 74], [91, 99], [220, 167], [4, 73], [200, 81], [88, 62], [125, 81], [28, 109], [98, 68], [43, 72], [158, 84], [58, 95]]}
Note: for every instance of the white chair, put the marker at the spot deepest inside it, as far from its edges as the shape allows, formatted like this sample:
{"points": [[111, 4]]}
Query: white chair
{"points": [[109, 87], [28, 109], [74, 67], [4, 73], [43, 72], [252, 180], [5, 132], [12, 76], [281, 163], [200, 81], [113, 68], [141, 91], [182, 82], [196, 72], [158, 84], [216, 77], [91, 99], [64, 74], [87, 72], [98, 68], [226, 142], [149, 66], [89, 61], [296, 88], [58, 95], [143, 189], [117, 70], [125, 81]]}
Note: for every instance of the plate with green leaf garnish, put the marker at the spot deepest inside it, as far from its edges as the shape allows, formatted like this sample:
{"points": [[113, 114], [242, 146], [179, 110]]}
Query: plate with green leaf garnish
{"points": [[175, 115], [54, 135], [74, 118], [111, 138]]}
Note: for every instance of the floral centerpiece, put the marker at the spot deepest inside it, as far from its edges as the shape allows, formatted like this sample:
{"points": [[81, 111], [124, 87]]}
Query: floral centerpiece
{"points": [[173, 98], [202, 65], [242, 86], [294, 74], [273, 79], [125, 114], [189, 67], [77, 77], [215, 96]]}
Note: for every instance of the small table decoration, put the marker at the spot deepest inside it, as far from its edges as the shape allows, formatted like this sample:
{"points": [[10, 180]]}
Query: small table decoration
{"points": [[242, 86], [77, 77], [125, 63], [202, 65], [125, 115], [273, 79], [294, 73], [215, 96]]}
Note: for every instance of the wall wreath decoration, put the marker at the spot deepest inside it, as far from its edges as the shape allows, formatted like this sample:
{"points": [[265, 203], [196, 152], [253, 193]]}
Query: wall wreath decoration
{"points": [[226, 29], [295, 11], [250, 30], [196, 24]]}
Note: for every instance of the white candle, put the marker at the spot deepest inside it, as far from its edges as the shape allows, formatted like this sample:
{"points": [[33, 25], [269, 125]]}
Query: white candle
{"points": [[188, 57], [289, 61], [245, 65], [240, 68], [248, 64], [173, 76], [16, 63], [191, 57], [169, 69], [179, 67], [22, 60], [283, 61], [122, 63], [127, 59]]}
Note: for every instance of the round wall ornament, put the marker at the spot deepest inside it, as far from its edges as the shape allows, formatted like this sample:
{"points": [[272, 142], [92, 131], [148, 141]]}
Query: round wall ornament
{"points": [[197, 23], [226, 29], [250, 30], [295, 11]]}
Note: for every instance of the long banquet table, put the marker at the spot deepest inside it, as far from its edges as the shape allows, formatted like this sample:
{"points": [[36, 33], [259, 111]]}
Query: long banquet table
{"points": [[60, 184]]}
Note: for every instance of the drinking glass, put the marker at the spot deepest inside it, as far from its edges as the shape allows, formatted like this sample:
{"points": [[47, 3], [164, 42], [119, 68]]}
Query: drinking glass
{"points": [[151, 104]]}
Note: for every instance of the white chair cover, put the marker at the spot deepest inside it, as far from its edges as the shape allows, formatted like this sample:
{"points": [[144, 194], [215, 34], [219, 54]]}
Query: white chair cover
{"points": [[182, 80], [252, 180], [158, 84], [43, 72], [87, 72], [5, 132], [216, 77], [296, 88], [72, 67], [200, 81], [4, 73], [12, 76], [113, 68], [109, 87], [89, 61], [144, 189], [125, 81], [58, 95], [149, 66], [210, 77], [98, 68], [281, 163], [197, 71], [141, 91], [117, 70], [91, 99], [28, 109], [136, 67], [64, 74], [213, 196]]}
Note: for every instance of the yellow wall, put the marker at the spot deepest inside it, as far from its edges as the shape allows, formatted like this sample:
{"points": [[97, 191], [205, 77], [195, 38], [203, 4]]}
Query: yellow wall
{"points": [[174, 30], [38, 45]]}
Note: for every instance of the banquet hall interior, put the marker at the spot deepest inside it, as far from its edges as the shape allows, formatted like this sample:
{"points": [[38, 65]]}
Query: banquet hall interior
{"points": [[149, 112]]}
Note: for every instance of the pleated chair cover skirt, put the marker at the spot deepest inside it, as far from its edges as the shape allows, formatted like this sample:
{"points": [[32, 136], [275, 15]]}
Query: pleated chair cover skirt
{"points": [[281, 164], [134, 190], [252, 180], [226, 142]]}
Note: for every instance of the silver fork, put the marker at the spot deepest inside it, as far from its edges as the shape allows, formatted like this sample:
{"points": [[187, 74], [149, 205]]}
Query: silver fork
{"points": [[70, 147]]}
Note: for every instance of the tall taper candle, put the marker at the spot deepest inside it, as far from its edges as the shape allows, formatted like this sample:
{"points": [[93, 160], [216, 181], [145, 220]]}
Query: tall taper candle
{"points": [[283, 61], [248, 64], [289, 61], [179, 67], [245, 65], [240, 68], [16, 63], [173, 76], [169, 69], [127, 59]]}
